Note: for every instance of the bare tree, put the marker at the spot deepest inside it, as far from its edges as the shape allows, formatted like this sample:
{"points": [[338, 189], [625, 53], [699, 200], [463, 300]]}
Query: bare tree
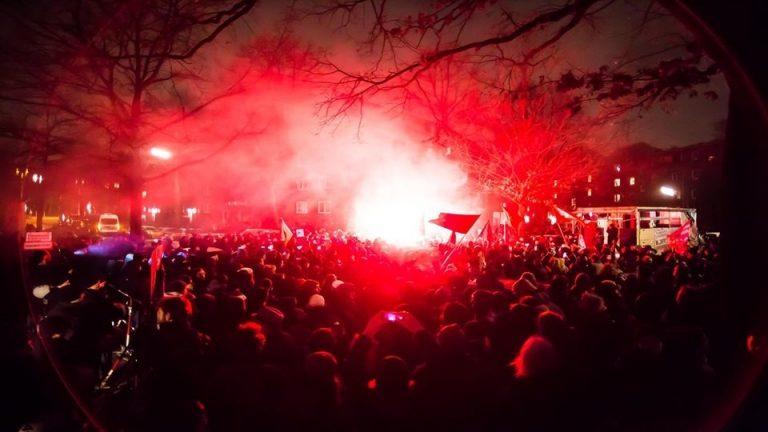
{"points": [[525, 144], [124, 71], [492, 78]]}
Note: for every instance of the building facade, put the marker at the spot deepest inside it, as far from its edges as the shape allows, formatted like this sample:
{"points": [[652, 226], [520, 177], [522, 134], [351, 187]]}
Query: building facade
{"points": [[635, 175]]}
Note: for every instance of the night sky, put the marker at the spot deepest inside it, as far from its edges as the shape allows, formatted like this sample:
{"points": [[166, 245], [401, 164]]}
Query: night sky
{"points": [[613, 35]]}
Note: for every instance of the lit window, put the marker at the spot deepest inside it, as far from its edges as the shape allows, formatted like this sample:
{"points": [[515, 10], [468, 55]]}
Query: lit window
{"points": [[618, 168], [631, 181], [555, 185], [302, 207], [323, 207], [589, 192], [617, 182], [616, 197], [589, 178], [554, 196]]}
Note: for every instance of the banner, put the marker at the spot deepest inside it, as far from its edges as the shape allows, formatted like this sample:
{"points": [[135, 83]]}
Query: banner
{"points": [[38, 240], [678, 239]]}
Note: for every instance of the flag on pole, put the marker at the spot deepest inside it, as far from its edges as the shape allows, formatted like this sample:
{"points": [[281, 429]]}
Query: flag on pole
{"points": [[589, 234], [567, 215], [460, 223], [504, 219], [285, 232], [154, 265]]}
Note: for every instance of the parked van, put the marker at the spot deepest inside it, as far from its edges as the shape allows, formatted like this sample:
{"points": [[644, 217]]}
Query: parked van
{"points": [[642, 225], [108, 223]]}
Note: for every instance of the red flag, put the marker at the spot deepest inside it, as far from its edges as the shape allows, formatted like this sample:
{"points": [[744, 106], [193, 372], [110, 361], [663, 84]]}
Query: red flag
{"points": [[678, 239], [590, 235], [567, 215], [460, 223], [154, 265]]}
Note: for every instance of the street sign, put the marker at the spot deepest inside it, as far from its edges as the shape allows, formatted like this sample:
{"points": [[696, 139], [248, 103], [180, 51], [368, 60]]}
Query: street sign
{"points": [[38, 240]]}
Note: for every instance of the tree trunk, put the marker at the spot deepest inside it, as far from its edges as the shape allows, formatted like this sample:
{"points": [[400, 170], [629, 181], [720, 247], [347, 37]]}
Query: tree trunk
{"points": [[134, 186]]}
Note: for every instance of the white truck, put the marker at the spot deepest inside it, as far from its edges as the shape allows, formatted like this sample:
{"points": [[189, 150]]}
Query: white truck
{"points": [[643, 226]]}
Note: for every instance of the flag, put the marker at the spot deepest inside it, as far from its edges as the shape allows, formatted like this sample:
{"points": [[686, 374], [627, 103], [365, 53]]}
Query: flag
{"points": [[487, 231], [285, 232], [460, 223], [567, 215], [504, 219], [678, 239], [154, 265], [589, 235]]}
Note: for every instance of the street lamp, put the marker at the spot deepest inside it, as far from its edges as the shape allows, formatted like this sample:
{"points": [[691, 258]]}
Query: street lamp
{"points": [[37, 178], [160, 153], [668, 191], [164, 154]]}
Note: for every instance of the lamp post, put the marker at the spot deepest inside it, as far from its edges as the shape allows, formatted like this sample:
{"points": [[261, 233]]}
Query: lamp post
{"points": [[164, 154], [668, 191], [39, 200]]}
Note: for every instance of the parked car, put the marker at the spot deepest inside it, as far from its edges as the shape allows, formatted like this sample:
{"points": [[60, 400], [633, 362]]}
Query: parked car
{"points": [[108, 223]]}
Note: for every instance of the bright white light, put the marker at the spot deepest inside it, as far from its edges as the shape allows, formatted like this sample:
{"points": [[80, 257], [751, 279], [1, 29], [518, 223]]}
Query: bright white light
{"points": [[668, 191], [527, 219], [552, 218], [88, 207], [191, 212], [160, 153], [402, 193]]}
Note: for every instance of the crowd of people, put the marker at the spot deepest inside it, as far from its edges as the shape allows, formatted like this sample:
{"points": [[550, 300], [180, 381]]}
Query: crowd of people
{"points": [[330, 332]]}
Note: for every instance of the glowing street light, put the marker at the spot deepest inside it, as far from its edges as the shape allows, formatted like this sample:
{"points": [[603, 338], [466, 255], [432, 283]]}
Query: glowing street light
{"points": [[37, 178], [668, 191], [88, 207], [160, 153]]}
